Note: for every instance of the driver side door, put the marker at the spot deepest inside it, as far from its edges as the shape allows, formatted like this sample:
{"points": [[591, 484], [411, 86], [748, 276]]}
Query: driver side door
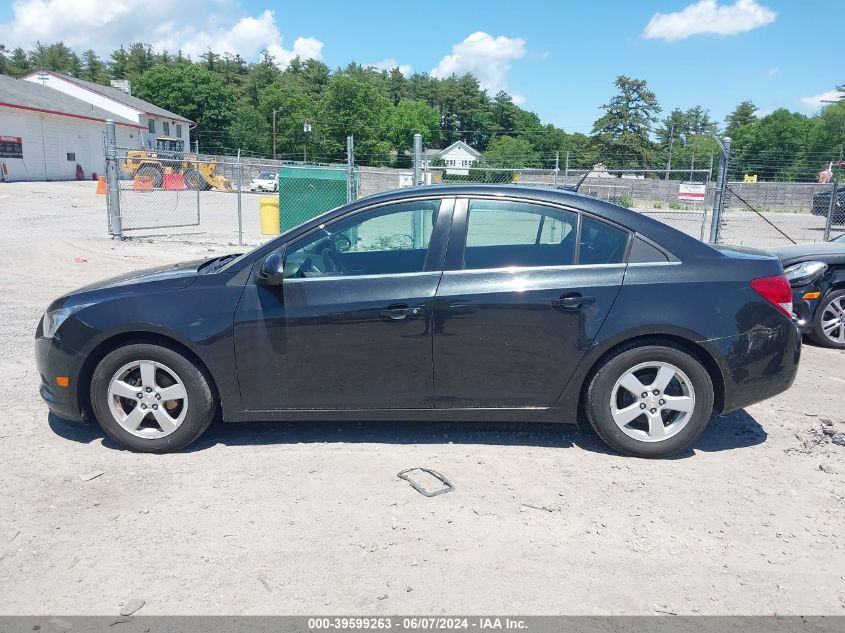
{"points": [[350, 325]]}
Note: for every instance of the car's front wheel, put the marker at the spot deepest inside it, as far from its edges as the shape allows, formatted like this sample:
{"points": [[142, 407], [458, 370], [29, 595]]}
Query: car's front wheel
{"points": [[650, 401], [151, 398], [829, 320]]}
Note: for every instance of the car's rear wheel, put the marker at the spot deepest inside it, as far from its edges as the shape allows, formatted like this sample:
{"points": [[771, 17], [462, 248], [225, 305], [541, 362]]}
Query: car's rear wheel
{"points": [[150, 398], [829, 320], [650, 401]]}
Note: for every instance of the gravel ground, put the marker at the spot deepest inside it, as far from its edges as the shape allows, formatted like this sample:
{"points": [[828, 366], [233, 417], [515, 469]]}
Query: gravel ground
{"points": [[311, 518]]}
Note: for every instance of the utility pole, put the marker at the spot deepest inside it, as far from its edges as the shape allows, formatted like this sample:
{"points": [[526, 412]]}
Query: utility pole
{"points": [[417, 160], [112, 182], [276, 111], [671, 141], [350, 168], [306, 128], [557, 166]]}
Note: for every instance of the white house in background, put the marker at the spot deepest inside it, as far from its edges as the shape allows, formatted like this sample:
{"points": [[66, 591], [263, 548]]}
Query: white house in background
{"points": [[49, 135], [162, 129], [458, 158]]}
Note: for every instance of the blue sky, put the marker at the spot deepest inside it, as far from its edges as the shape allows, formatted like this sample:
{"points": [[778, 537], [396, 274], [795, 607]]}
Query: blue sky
{"points": [[558, 58]]}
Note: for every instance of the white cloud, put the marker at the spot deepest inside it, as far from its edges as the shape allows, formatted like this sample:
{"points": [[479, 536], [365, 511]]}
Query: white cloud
{"points": [[518, 99], [773, 71], [816, 102], [488, 58], [709, 17], [390, 63], [193, 26]]}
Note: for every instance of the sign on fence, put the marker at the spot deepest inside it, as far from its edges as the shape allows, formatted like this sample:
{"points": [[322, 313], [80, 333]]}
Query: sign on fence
{"points": [[691, 191]]}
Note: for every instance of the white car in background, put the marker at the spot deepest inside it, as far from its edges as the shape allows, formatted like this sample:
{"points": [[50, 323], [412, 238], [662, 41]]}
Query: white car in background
{"points": [[265, 181]]}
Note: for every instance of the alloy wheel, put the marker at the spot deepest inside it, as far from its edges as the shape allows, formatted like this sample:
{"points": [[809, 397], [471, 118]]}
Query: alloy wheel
{"points": [[147, 399], [652, 401], [833, 321]]}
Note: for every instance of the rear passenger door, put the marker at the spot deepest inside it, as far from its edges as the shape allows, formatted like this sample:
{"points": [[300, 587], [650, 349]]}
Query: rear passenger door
{"points": [[525, 290]]}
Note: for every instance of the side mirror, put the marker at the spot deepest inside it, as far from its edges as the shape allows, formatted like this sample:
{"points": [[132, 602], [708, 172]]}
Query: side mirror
{"points": [[272, 270]]}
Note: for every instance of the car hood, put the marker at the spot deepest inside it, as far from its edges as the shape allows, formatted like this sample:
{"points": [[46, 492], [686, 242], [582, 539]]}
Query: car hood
{"points": [[169, 277], [827, 252]]}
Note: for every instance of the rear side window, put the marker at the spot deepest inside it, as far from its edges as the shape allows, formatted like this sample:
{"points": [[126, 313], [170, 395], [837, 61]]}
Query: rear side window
{"points": [[503, 234], [601, 243], [642, 253]]}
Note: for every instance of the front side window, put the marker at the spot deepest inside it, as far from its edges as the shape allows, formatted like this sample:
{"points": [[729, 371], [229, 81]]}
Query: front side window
{"points": [[502, 234], [386, 240]]}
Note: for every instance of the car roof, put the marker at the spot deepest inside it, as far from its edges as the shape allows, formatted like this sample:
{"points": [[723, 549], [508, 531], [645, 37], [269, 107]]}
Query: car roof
{"points": [[666, 236]]}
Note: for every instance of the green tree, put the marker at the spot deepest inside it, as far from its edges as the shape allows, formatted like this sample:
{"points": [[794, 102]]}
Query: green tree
{"points": [[18, 64], [260, 75], [117, 65], [139, 59], [192, 92], [411, 117], [293, 107], [623, 131], [397, 87], [744, 114], [93, 68], [771, 146], [56, 57], [510, 152], [351, 106], [548, 143], [249, 131]]}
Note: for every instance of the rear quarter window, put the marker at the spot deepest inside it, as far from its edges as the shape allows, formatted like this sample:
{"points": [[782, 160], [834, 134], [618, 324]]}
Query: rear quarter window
{"points": [[643, 253]]}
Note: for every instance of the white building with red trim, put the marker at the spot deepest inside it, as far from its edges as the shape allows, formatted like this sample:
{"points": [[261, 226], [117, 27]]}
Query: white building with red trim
{"points": [[46, 134], [162, 129]]}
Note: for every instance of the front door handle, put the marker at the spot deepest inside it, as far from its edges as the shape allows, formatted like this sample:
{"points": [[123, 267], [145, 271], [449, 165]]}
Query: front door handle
{"points": [[399, 311], [572, 300]]}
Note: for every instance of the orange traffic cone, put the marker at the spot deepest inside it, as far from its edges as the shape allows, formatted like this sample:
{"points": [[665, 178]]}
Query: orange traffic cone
{"points": [[101, 184]]}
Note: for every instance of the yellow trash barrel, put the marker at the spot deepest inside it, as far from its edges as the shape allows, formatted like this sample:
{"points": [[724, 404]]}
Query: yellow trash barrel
{"points": [[269, 213]]}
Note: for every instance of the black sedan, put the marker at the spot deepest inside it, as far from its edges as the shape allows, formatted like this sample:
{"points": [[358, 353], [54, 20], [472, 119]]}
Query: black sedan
{"points": [[463, 303], [817, 274], [821, 206]]}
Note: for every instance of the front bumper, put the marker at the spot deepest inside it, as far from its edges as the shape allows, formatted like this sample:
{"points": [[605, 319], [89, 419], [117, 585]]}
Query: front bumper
{"points": [[803, 310], [53, 359]]}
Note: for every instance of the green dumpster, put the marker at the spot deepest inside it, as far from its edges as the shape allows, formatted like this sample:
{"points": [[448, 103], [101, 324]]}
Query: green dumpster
{"points": [[306, 191]]}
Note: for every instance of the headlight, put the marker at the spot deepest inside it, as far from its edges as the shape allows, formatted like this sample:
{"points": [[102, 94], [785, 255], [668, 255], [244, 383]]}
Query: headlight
{"points": [[803, 272], [54, 318]]}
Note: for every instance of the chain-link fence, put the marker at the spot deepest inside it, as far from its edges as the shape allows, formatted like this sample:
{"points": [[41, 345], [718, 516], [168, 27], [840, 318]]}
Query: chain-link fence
{"points": [[766, 214], [229, 199]]}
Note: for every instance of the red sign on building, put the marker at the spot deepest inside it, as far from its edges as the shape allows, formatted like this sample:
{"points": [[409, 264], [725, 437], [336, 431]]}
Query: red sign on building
{"points": [[11, 147]]}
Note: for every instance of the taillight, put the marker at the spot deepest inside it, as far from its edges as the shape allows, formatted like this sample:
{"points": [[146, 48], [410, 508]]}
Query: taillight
{"points": [[775, 290]]}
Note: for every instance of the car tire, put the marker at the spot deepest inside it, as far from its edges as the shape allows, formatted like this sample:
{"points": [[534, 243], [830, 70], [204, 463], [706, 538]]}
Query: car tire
{"points": [[130, 389], [657, 426], [831, 307]]}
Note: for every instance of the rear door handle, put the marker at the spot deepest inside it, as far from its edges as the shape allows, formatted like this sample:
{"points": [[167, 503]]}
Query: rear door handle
{"points": [[573, 300], [400, 311]]}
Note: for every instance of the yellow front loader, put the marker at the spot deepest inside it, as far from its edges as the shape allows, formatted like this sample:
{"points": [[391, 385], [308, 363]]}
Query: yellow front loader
{"points": [[198, 175]]}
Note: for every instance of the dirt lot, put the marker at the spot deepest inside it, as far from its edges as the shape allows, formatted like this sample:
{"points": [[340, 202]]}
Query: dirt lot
{"points": [[304, 519]]}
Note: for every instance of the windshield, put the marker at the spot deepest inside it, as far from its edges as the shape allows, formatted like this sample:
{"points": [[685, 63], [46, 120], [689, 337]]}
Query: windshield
{"points": [[265, 175]]}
